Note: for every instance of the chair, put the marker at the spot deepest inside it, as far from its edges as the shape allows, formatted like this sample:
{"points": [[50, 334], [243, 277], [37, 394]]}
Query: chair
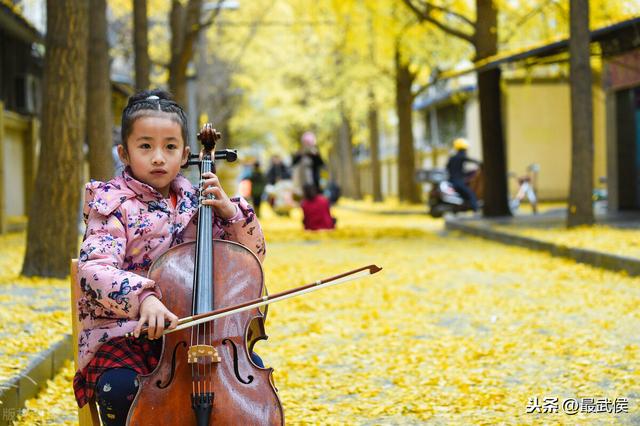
{"points": [[87, 415]]}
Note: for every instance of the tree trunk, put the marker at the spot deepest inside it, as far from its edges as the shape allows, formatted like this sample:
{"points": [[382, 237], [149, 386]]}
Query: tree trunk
{"points": [[214, 89], [374, 142], [351, 178], [178, 85], [52, 234], [493, 145], [141, 44], [185, 27], [177, 75], [335, 164], [407, 188], [99, 116], [580, 196], [485, 42]]}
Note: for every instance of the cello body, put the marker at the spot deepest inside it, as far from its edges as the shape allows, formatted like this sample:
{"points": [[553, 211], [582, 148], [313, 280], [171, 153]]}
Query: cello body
{"points": [[243, 393]]}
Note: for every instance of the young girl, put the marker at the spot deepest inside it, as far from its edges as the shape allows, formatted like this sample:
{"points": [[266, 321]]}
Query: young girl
{"points": [[132, 220]]}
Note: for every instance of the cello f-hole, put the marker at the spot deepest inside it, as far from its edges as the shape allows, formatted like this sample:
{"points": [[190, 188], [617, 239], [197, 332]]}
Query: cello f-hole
{"points": [[235, 363], [173, 365]]}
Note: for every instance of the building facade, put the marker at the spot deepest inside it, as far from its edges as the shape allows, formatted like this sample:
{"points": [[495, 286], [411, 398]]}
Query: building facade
{"points": [[21, 63], [537, 118]]}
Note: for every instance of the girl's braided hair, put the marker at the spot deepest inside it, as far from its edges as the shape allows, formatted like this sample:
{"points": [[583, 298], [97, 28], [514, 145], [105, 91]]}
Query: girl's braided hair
{"points": [[147, 104]]}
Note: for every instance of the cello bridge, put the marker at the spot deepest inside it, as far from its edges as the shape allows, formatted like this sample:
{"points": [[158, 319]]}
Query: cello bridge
{"points": [[202, 354]]}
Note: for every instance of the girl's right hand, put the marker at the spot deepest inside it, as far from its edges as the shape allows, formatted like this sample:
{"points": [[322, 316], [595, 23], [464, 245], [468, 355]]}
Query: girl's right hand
{"points": [[153, 313]]}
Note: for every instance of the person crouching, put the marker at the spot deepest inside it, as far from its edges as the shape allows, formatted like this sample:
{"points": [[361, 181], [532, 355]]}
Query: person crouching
{"points": [[315, 207]]}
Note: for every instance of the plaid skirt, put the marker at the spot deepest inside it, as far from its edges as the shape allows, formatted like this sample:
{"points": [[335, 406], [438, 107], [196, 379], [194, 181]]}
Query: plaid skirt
{"points": [[140, 355]]}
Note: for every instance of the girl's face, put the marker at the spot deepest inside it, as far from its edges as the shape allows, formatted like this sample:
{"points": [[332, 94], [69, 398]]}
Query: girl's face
{"points": [[155, 151]]}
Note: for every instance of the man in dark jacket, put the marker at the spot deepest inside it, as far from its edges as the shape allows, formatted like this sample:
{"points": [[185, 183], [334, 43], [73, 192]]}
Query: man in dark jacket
{"points": [[277, 171], [258, 183], [455, 167], [307, 163]]}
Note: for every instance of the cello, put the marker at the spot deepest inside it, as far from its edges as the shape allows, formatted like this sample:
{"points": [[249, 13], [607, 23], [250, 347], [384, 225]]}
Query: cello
{"points": [[205, 374]]}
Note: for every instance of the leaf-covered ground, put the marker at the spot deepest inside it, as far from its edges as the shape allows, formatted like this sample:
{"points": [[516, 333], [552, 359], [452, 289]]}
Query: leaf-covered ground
{"points": [[34, 313], [609, 239], [454, 330]]}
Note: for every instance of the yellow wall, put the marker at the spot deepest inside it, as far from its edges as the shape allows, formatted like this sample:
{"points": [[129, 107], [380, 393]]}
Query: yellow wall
{"points": [[18, 139], [599, 137], [538, 130], [389, 172], [14, 185]]}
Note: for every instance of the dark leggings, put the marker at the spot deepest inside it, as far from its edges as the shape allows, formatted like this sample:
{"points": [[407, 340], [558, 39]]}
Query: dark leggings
{"points": [[466, 193], [116, 389]]}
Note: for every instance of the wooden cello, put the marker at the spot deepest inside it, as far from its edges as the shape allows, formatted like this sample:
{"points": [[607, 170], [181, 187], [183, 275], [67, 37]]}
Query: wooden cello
{"points": [[205, 375]]}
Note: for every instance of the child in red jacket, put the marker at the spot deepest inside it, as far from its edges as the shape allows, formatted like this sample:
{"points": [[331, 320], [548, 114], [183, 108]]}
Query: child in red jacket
{"points": [[316, 210]]}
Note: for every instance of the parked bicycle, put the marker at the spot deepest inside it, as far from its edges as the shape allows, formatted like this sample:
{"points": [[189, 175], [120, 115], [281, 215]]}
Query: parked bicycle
{"points": [[526, 189]]}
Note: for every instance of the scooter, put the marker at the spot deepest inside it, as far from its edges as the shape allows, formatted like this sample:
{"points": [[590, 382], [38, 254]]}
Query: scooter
{"points": [[443, 198]]}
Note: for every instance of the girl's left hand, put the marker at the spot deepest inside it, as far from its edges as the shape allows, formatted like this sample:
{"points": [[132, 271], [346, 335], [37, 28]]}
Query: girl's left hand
{"points": [[223, 207]]}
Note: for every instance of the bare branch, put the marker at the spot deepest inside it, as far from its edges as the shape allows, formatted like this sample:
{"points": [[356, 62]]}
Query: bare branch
{"points": [[425, 15], [160, 64], [430, 6], [212, 18], [525, 18], [252, 33], [272, 23], [421, 89]]}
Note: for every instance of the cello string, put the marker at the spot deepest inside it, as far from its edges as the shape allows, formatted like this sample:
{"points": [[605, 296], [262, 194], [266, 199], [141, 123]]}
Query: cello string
{"points": [[201, 247], [209, 330], [208, 277], [195, 370], [205, 273], [211, 292]]}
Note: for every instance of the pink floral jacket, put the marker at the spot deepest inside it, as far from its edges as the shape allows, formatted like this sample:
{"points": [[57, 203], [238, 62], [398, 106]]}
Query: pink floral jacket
{"points": [[129, 225]]}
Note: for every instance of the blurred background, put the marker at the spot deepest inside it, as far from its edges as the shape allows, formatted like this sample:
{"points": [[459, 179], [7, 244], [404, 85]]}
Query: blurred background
{"points": [[368, 101], [386, 86]]}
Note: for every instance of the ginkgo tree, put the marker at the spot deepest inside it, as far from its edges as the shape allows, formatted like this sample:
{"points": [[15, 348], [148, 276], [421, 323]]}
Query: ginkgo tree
{"points": [[271, 69], [52, 236], [520, 20], [331, 65], [482, 33], [412, 51]]}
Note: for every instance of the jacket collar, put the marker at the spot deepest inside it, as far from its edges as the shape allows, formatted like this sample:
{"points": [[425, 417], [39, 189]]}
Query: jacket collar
{"points": [[105, 197], [142, 191]]}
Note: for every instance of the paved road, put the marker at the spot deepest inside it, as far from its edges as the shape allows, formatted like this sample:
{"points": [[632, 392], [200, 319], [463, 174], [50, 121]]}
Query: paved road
{"points": [[454, 330]]}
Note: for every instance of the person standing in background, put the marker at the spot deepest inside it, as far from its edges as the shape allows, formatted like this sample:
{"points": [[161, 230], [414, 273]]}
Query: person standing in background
{"points": [[277, 171], [258, 183], [307, 164], [118, 167], [280, 190]]}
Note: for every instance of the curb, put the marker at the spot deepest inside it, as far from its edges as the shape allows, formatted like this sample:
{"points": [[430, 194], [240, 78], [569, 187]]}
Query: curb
{"points": [[595, 258], [381, 212], [33, 378]]}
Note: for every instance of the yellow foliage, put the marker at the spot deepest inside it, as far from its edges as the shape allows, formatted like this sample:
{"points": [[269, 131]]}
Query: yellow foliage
{"points": [[298, 64], [34, 312], [454, 330], [608, 239], [55, 406]]}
